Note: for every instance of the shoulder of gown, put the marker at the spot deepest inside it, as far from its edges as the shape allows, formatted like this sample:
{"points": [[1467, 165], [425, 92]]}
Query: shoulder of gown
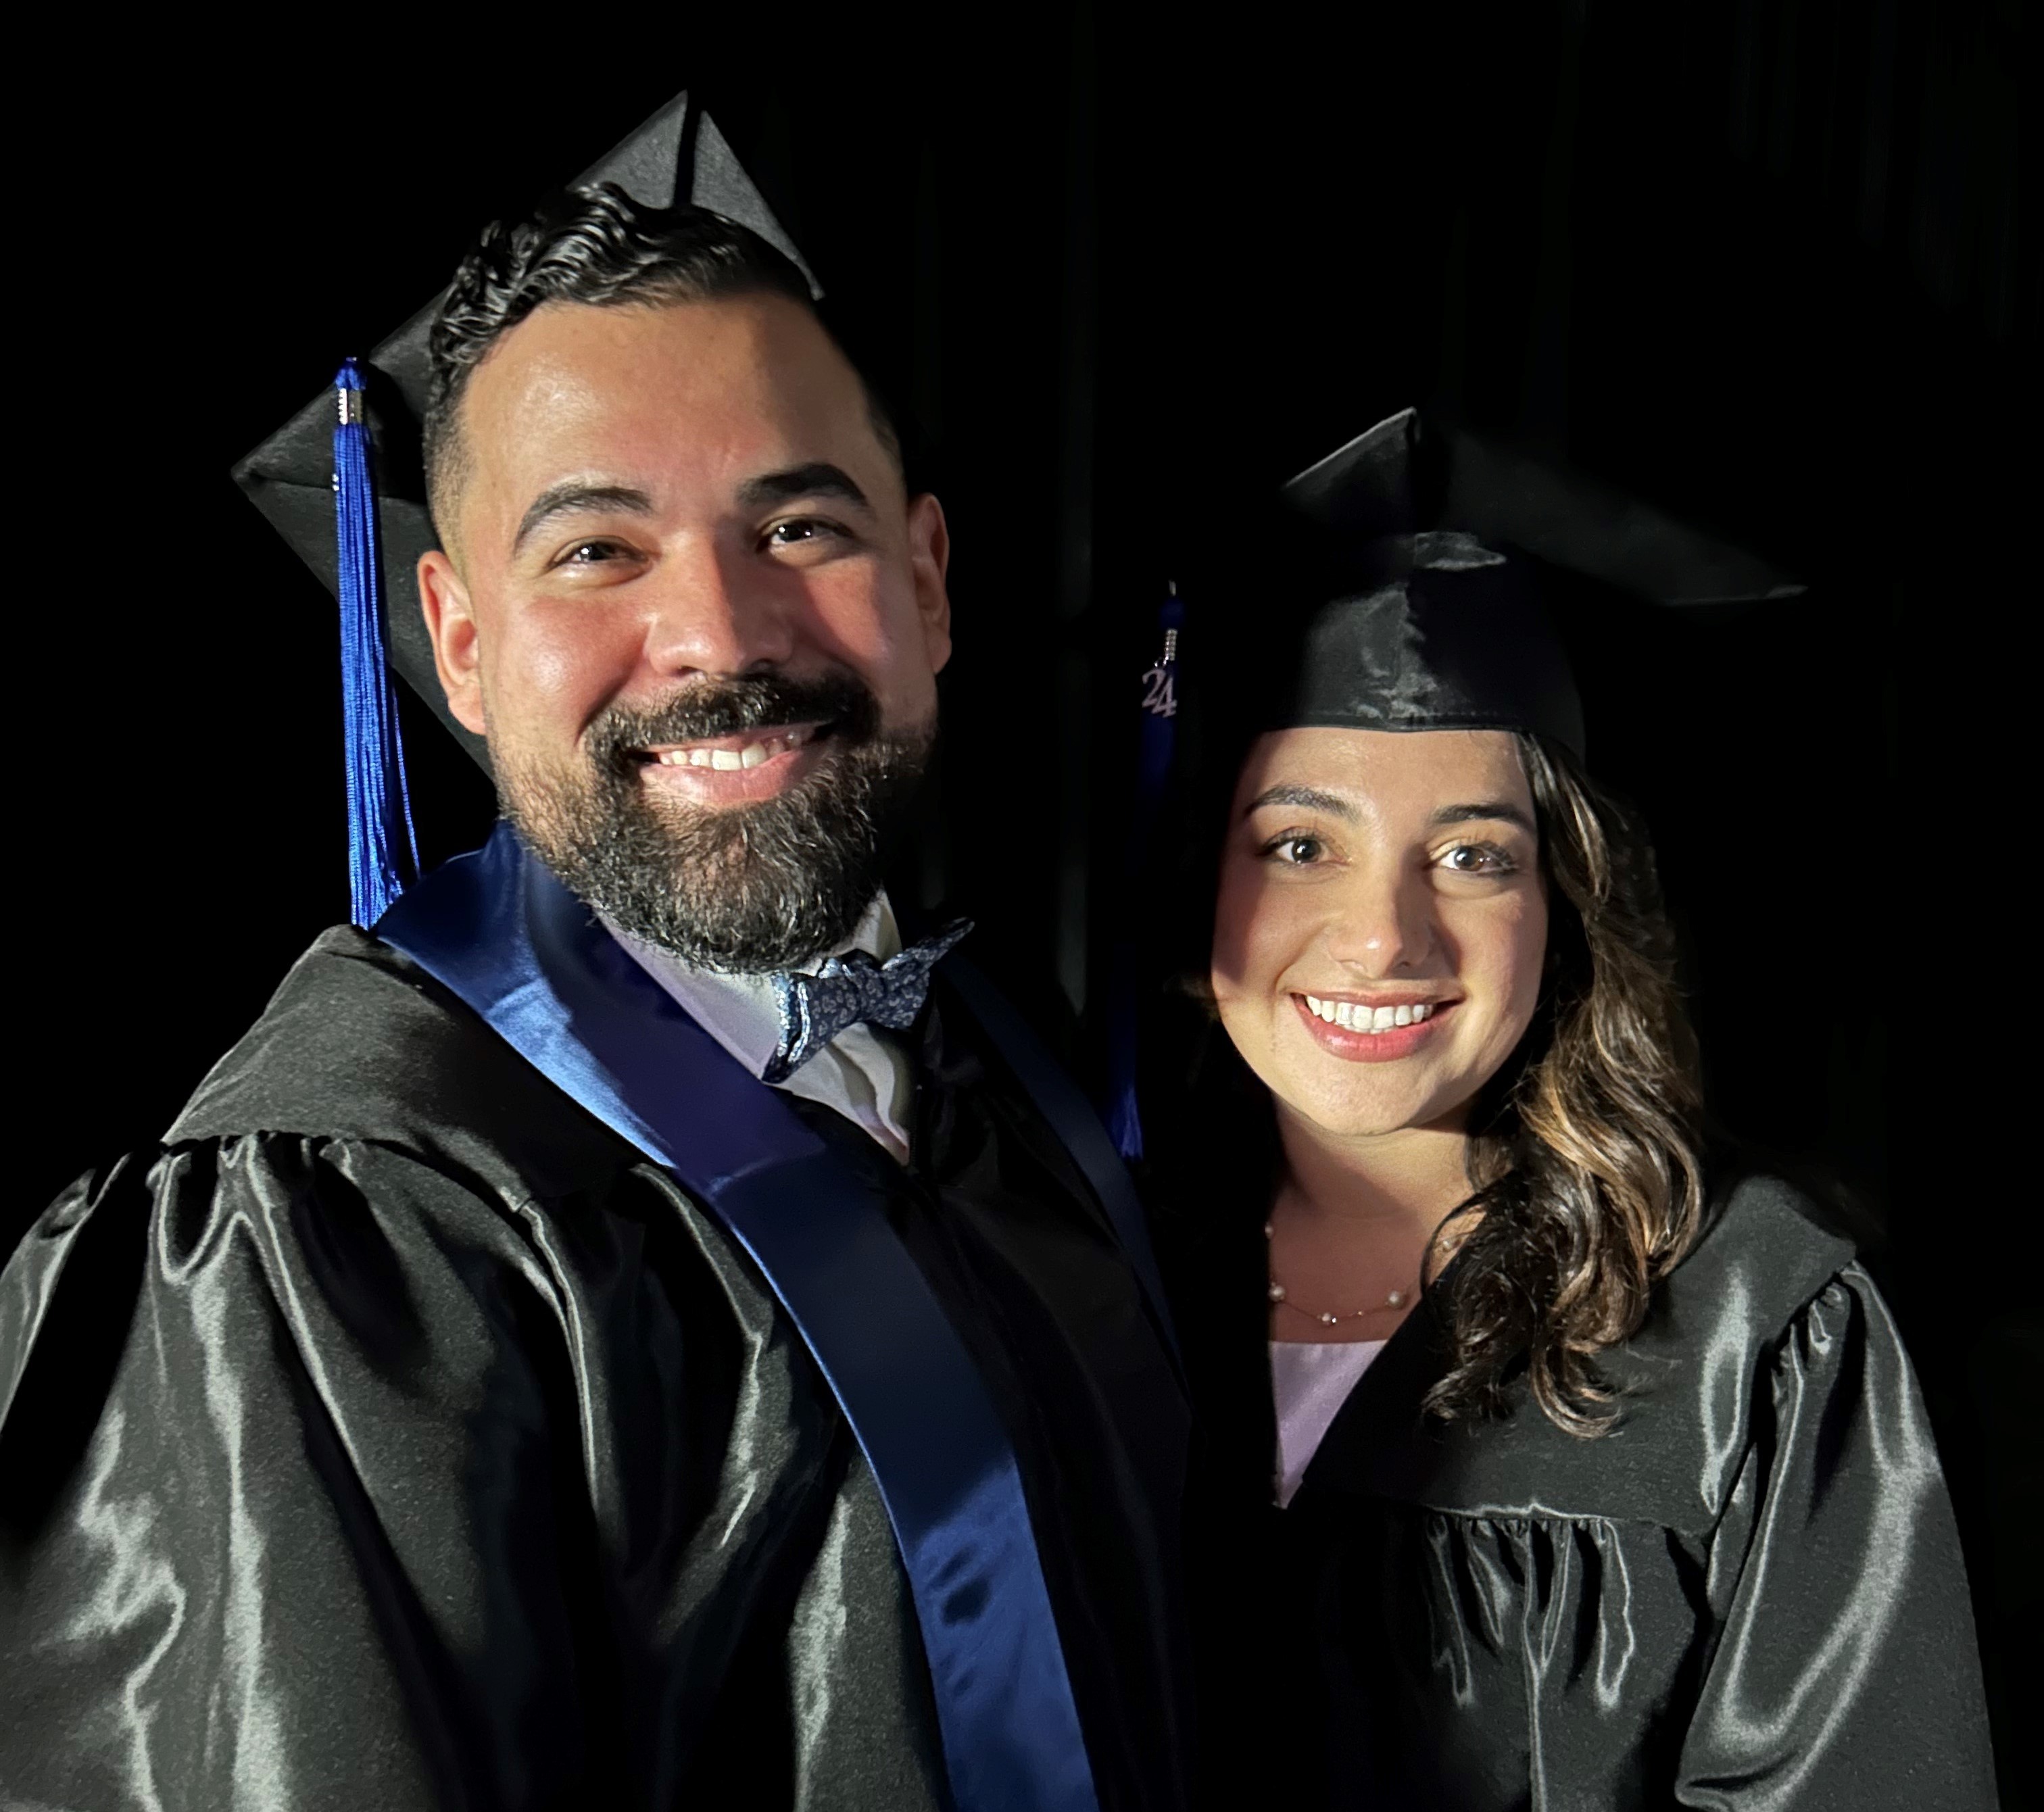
{"points": [[391, 1354], [1694, 1387], [358, 1043], [364, 1113]]}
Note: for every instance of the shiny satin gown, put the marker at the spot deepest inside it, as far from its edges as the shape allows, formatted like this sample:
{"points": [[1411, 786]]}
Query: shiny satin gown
{"points": [[398, 1437], [1749, 1596]]}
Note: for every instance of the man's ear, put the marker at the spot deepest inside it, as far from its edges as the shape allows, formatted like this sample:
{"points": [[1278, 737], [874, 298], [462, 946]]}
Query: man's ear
{"points": [[457, 644], [929, 557]]}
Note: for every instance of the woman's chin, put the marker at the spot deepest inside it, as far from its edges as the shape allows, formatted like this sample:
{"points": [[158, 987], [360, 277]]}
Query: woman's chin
{"points": [[1367, 1106], [1357, 1119]]}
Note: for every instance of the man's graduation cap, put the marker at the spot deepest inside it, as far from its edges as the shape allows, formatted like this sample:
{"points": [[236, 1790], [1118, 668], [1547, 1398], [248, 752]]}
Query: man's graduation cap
{"points": [[313, 478], [1434, 552]]}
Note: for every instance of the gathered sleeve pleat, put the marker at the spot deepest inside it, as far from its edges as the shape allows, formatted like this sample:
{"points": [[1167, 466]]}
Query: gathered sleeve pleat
{"points": [[1844, 1674]]}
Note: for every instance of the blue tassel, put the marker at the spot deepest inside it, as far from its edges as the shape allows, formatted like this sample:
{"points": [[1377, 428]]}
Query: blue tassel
{"points": [[382, 851], [1157, 733]]}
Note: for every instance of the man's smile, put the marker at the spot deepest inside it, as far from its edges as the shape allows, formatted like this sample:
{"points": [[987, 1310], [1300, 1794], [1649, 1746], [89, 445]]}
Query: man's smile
{"points": [[744, 766], [747, 749]]}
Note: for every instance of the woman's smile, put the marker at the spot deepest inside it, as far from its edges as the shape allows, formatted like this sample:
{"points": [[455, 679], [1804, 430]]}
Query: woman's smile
{"points": [[1360, 1030]]}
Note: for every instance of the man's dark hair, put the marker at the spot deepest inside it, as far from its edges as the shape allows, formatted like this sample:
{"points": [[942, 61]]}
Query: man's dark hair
{"points": [[600, 248]]}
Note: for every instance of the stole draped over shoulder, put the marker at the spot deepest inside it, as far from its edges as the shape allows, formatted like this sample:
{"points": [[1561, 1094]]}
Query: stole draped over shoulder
{"points": [[399, 1435]]}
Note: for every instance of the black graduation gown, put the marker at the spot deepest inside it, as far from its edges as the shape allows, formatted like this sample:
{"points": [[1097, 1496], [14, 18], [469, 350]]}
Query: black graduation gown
{"points": [[398, 1436], [1749, 1595]]}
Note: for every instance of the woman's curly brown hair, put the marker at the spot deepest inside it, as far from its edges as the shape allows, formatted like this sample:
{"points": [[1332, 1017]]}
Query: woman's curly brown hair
{"points": [[1584, 1151]]}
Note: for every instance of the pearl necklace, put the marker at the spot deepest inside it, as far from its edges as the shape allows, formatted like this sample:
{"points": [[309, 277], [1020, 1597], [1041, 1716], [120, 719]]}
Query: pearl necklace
{"points": [[1326, 1318]]}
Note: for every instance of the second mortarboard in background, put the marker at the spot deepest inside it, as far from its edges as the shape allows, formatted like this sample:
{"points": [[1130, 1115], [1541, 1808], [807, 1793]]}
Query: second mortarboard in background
{"points": [[1421, 600]]}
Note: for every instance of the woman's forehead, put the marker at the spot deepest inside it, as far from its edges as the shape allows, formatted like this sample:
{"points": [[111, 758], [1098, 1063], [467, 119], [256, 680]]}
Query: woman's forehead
{"points": [[1379, 772]]}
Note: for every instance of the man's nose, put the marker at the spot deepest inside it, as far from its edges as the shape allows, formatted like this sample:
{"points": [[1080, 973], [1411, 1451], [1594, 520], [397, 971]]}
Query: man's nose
{"points": [[712, 613], [1383, 924]]}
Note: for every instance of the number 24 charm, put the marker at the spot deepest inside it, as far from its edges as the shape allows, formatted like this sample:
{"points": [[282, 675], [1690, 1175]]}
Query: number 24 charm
{"points": [[1160, 696]]}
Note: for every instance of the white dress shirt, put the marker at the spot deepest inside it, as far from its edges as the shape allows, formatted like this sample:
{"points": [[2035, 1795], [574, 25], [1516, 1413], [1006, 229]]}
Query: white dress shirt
{"points": [[860, 1073]]}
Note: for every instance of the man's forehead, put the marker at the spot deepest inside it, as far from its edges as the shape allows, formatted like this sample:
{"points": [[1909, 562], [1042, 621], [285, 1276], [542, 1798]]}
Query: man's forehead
{"points": [[737, 376]]}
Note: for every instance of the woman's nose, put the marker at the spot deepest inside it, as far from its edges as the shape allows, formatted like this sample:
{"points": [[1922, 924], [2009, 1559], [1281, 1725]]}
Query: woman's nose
{"points": [[1383, 923], [712, 614]]}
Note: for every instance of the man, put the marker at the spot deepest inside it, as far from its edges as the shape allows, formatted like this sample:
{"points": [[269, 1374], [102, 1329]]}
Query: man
{"points": [[609, 1339]]}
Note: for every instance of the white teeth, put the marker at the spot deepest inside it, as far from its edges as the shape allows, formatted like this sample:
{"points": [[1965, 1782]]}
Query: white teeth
{"points": [[1352, 1015], [753, 755]]}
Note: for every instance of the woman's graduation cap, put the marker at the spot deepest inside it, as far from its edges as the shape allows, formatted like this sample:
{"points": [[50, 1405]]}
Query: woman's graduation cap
{"points": [[1402, 583], [361, 522], [1434, 552]]}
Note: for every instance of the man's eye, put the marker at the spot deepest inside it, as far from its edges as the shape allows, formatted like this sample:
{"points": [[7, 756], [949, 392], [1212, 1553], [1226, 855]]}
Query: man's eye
{"points": [[800, 529], [1296, 850], [592, 553], [1477, 859]]}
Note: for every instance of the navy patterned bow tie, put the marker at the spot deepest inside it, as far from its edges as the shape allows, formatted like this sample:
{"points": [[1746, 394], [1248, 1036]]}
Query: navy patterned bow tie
{"points": [[854, 989]]}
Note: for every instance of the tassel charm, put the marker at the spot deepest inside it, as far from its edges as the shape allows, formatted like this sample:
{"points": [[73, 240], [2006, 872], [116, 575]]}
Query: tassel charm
{"points": [[382, 851], [1157, 735]]}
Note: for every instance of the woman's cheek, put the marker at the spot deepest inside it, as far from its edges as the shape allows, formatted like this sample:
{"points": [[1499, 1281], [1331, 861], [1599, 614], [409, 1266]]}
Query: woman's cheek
{"points": [[1514, 944], [1235, 916], [1531, 962]]}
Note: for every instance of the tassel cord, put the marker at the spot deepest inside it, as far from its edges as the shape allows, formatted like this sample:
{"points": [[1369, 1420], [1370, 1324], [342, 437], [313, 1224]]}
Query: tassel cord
{"points": [[1156, 740], [383, 843]]}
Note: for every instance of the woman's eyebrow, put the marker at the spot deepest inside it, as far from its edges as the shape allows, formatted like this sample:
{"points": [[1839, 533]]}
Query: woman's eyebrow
{"points": [[1308, 798], [1499, 808]]}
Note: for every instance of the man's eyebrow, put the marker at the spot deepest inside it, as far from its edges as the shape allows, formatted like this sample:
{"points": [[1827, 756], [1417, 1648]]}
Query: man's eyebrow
{"points": [[819, 479], [1308, 798], [572, 495], [1497, 809]]}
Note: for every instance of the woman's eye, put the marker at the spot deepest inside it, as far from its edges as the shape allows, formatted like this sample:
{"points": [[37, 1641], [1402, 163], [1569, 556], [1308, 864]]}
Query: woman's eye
{"points": [[1476, 858], [1296, 851]]}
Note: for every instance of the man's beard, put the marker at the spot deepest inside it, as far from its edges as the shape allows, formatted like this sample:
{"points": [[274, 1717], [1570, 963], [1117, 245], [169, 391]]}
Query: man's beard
{"points": [[747, 889]]}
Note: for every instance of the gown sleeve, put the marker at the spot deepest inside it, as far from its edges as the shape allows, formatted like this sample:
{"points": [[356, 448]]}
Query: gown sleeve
{"points": [[289, 1493], [1846, 1675]]}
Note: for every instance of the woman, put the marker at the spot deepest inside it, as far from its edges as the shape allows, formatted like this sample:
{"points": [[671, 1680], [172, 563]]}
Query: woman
{"points": [[1549, 1462]]}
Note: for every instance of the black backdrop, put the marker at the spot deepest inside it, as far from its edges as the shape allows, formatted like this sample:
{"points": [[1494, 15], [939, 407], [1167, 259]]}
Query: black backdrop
{"points": [[1757, 261]]}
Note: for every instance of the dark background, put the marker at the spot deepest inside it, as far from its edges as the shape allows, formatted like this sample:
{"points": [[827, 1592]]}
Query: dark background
{"points": [[1757, 262]]}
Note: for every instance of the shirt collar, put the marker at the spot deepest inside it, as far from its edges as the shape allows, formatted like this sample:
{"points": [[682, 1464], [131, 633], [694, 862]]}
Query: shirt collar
{"points": [[743, 1012]]}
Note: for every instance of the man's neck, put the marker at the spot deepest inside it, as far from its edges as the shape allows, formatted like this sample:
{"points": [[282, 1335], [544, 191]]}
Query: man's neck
{"points": [[876, 933], [859, 1075]]}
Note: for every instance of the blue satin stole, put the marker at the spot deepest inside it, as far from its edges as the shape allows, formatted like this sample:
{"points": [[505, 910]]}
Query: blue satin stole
{"points": [[503, 935]]}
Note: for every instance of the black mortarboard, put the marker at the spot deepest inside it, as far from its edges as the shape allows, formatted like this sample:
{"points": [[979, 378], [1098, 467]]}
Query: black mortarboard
{"points": [[314, 469], [1434, 554]]}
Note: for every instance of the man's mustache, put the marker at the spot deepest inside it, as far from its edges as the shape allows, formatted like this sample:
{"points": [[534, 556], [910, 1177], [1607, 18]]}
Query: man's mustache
{"points": [[618, 737]]}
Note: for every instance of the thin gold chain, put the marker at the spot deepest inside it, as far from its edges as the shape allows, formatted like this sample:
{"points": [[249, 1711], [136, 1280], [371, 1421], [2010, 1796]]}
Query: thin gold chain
{"points": [[1281, 1298]]}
